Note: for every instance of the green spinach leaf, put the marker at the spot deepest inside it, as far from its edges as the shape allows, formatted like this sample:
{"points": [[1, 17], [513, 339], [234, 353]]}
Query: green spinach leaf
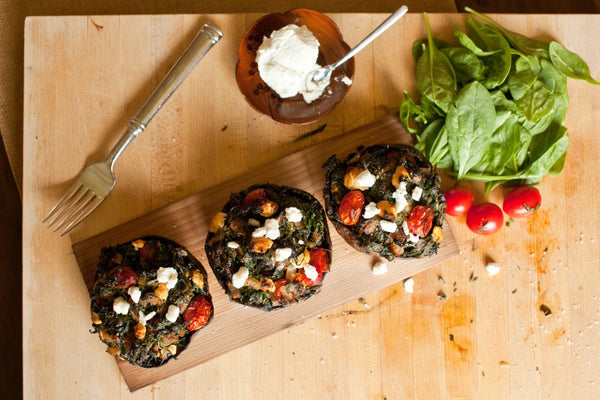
{"points": [[570, 63], [470, 123], [435, 75]]}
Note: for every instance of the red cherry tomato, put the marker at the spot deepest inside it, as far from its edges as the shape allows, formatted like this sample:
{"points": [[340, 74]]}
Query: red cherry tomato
{"points": [[254, 195], [122, 277], [459, 200], [485, 218], [351, 207], [522, 201], [420, 220], [197, 314]]}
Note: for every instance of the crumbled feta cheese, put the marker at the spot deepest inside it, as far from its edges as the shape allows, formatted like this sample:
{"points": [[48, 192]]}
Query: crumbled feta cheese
{"points": [[233, 245], [379, 268], [135, 293], [283, 254], [253, 222], [365, 179], [121, 306], [272, 228], [400, 196], [411, 237], [172, 313], [143, 319], [259, 232], [409, 285], [293, 214], [347, 81], [388, 226], [417, 193], [311, 272], [167, 275], [239, 278], [370, 211], [492, 268]]}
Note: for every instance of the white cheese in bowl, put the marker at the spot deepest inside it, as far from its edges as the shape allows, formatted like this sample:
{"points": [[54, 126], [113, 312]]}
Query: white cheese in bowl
{"points": [[286, 59]]}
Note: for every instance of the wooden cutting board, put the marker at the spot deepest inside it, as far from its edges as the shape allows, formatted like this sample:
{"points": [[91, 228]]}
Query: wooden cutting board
{"points": [[234, 325]]}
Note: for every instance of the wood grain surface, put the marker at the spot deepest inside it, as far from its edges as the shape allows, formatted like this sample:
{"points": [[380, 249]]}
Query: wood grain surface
{"points": [[461, 334]]}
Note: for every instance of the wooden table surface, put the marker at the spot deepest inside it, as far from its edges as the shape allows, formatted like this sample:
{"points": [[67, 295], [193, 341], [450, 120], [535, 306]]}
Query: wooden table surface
{"points": [[489, 337]]}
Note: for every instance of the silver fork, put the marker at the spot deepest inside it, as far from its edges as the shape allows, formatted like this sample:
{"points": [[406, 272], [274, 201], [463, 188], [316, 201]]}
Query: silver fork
{"points": [[98, 179]]}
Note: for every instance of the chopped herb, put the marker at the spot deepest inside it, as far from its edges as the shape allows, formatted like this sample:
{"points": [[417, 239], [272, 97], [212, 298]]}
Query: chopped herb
{"points": [[451, 337], [442, 295], [311, 133], [473, 278], [441, 279]]}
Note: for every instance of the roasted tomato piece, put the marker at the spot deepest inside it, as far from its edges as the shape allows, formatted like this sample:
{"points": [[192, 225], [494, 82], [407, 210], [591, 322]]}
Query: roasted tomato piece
{"points": [[147, 252], [254, 195], [197, 314], [351, 207], [122, 277], [305, 280], [420, 220], [319, 259]]}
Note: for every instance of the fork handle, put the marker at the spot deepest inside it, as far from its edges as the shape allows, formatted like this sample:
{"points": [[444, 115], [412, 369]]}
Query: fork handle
{"points": [[205, 39]]}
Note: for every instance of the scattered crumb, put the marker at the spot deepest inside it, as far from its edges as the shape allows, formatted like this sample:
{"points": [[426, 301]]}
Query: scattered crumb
{"points": [[362, 301], [379, 268], [492, 268], [503, 363], [409, 285]]}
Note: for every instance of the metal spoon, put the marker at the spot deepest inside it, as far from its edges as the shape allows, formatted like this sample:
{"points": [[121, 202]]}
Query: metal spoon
{"points": [[321, 73]]}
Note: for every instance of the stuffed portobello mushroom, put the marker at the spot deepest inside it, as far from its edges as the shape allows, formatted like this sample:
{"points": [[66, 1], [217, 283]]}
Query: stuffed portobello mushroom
{"points": [[149, 297], [269, 247], [386, 200]]}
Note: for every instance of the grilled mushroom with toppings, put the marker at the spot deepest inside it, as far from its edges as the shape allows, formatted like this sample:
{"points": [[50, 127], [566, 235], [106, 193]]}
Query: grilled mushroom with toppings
{"points": [[149, 297], [269, 247], [386, 200]]}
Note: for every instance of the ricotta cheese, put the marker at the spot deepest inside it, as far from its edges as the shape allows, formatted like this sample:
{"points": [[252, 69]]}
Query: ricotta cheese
{"points": [[286, 59]]}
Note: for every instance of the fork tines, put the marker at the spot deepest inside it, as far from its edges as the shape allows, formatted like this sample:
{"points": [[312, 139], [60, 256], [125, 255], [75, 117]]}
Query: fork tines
{"points": [[76, 204]]}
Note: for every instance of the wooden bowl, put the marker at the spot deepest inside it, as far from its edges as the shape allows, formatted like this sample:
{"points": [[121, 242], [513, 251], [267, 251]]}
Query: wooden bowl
{"points": [[293, 110]]}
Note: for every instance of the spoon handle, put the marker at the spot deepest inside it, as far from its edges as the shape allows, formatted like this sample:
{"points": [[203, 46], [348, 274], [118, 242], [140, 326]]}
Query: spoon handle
{"points": [[378, 31]]}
